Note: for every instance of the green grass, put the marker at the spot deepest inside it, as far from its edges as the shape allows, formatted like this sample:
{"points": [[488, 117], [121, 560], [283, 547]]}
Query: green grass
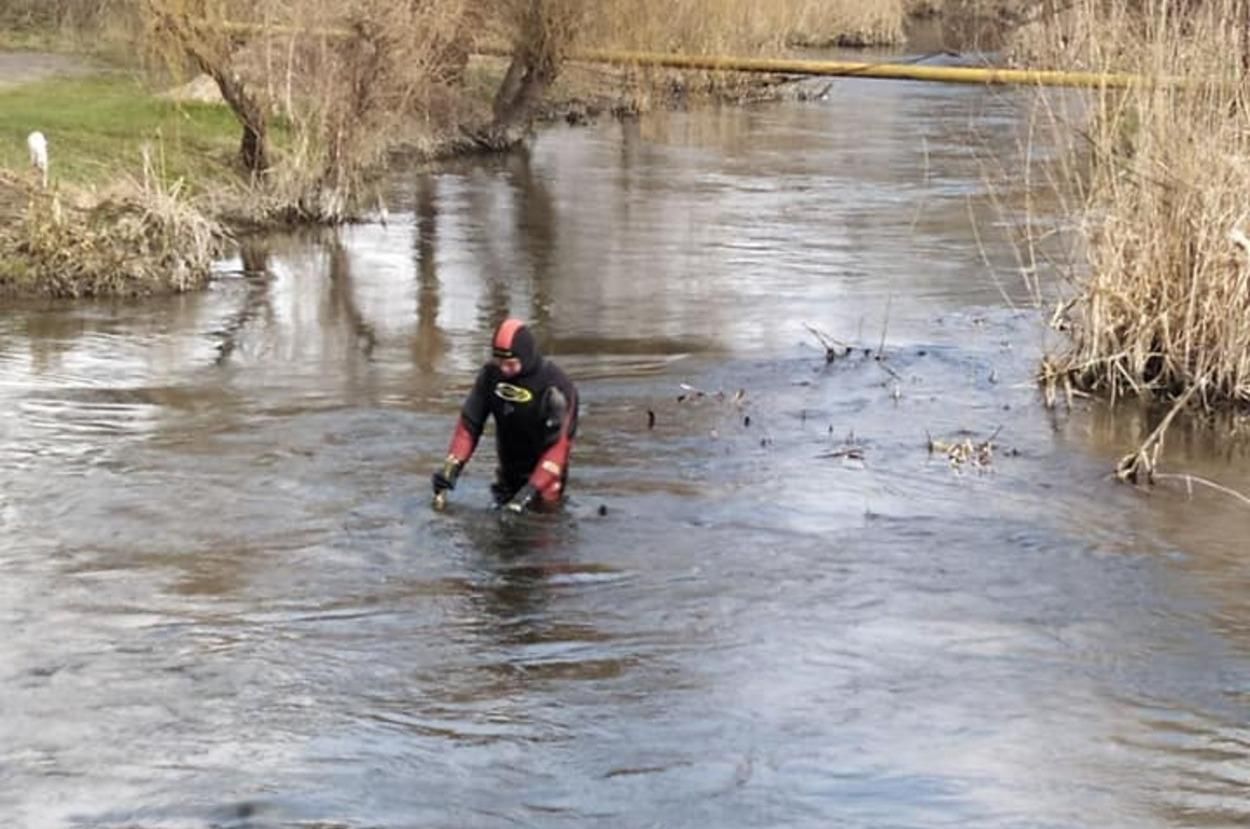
{"points": [[97, 125]]}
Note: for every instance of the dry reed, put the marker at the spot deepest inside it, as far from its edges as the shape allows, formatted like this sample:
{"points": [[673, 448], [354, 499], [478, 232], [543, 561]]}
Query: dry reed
{"points": [[743, 26], [1162, 303], [139, 238]]}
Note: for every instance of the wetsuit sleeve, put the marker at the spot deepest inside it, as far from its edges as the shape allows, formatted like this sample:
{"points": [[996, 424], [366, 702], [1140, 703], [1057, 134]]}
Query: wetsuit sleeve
{"points": [[560, 413], [471, 422]]}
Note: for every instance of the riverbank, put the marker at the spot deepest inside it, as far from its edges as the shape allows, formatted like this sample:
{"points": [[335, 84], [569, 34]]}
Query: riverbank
{"points": [[115, 129], [130, 175], [1159, 306]]}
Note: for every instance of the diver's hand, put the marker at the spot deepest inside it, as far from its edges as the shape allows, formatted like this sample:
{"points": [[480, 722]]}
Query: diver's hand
{"points": [[522, 500], [445, 478]]}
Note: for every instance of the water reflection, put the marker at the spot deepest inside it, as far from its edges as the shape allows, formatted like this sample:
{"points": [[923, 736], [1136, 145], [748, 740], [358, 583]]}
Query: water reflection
{"points": [[342, 302], [430, 343], [536, 231], [254, 257]]}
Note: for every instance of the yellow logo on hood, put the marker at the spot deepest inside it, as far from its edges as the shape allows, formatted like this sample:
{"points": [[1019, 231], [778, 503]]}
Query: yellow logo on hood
{"points": [[513, 394]]}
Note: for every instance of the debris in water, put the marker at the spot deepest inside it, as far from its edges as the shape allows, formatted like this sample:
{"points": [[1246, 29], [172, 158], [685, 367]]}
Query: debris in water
{"points": [[850, 450], [691, 393], [650, 419], [831, 345], [966, 452], [1139, 467]]}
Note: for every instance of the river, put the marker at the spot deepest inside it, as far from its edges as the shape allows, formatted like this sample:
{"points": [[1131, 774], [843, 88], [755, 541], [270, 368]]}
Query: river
{"points": [[226, 602]]}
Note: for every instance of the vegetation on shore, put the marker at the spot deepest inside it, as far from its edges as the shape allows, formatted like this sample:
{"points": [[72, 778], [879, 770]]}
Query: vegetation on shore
{"points": [[136, 239], [1161, 303], [1158, 309], [132, 172], [320, 94]]}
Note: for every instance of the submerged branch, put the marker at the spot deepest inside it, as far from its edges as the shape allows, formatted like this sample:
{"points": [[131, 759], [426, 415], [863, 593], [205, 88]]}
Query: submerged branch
{"points": [[1189, 480]]}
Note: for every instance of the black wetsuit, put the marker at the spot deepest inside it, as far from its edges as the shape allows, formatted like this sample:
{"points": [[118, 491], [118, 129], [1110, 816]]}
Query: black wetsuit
{"points": [[535, 415]]}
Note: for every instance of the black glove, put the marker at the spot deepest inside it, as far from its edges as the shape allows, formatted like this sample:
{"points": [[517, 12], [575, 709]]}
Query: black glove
{"points": [[521, 501], [445, 478]]}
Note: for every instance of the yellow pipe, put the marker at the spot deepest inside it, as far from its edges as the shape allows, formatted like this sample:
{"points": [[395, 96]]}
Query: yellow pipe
{"points": [[776, 66], [892, 71]]}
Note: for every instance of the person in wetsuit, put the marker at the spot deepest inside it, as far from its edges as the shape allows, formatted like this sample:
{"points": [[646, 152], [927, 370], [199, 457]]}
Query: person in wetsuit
{"points": [[535, 409]]}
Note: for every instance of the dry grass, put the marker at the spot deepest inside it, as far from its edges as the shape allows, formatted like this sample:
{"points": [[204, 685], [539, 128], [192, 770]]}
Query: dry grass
{"points": [[743, 26], [70, 15], [723, 27], [140, 238], [343, 100], [104, 28], [1162, 304]]}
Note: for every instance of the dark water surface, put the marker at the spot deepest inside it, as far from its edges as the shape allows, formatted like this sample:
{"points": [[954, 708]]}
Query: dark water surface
{"points": [[225, 602]]}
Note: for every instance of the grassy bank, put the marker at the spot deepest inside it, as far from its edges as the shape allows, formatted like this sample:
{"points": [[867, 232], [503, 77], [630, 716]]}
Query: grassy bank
{"points": [[127, 169], [1161, 302], [97, 126]]}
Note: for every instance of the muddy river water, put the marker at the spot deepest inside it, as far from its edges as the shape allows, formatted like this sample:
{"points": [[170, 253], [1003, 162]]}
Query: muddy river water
{"points": [[225, 601]]}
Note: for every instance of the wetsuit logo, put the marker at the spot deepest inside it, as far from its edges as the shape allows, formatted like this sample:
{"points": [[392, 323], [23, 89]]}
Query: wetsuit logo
{"points": [[513, 394]]}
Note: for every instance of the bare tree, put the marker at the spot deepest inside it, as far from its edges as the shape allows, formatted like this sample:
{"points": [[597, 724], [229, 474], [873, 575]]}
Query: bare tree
{"points": [[541, 33], [187, 27]]}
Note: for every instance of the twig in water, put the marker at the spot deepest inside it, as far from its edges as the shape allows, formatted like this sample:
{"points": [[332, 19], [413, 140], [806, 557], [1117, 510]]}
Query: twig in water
{"points": [[1190, 480], [1139, 467], [830, 344], [850, 453], [851, 449], [885, 323]]}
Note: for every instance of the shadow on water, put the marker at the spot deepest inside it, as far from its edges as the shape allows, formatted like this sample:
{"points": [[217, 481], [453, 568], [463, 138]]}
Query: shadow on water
{"points": [[226, 602], [429, 343]]}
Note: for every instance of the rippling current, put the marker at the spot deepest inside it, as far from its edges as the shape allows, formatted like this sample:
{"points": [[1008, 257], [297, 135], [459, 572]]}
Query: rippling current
{"points": [[225, 601]]}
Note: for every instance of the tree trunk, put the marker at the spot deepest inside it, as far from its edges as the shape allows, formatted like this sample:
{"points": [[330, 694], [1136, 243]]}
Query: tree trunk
{"points": [[211, 52], [517, 99], [254, 146], [254, 150], [534, 67]]}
